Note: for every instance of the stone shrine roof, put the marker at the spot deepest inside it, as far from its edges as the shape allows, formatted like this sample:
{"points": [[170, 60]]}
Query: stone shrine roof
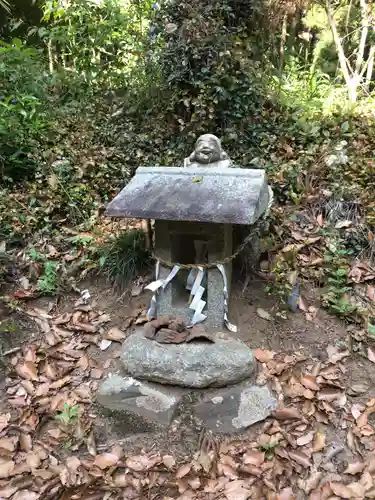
{"points": [[202, 194]]}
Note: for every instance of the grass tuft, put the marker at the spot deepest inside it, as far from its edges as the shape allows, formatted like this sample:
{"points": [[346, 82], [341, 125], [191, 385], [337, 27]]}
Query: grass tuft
{"points": [[125, 256]]}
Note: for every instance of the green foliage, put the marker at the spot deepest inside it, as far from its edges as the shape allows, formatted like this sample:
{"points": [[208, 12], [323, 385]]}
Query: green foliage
{"points": [[210, 63], [101, 40], [285, 276], [49, 280], [371, 329], [68, 415], [124, 257], [337, 295], [22, 117], [48, 283]]}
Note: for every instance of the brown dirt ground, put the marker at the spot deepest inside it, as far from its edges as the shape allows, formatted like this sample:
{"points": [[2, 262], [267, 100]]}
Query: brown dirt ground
{"points": [[281, 335]]}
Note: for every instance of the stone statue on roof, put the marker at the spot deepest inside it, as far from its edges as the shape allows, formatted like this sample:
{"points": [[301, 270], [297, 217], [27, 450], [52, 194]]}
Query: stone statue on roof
{"points": [[208, 153]]}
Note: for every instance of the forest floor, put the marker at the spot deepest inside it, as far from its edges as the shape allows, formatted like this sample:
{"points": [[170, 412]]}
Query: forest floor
{"points": [[320, 444], [56, 444]]}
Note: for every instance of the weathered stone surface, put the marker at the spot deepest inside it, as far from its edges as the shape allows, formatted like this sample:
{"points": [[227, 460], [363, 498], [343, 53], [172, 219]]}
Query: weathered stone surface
{"points": [[193, 364], [235, 408], [203, 194], [141, 403], [174, 242]]}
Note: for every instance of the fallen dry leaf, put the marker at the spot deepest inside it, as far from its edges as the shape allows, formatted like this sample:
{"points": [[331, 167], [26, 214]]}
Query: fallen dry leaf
{"points": [[141, 463], [356, 410], [371, 292], [253, 457], [104, 344], [307, 438], [228, 471], [312, 482], [33, 460], [121, 480], [287, 414], [27, 369], [320, 220], [286, 494], [96, 374], [105, 460], [115, 334], [367, 480], [6, 467], [329, 394], [63, 319], [263, 356], [4, 420], [370, 355], [334, 355], [357, 389], [91, 445], [319, 441], [302, 304], [9, 443], [300, 458], [235, 491], [354, 468], [183, 471], [169, 461], [26, 443], [26, 495], [309, 382], [264, 314]]}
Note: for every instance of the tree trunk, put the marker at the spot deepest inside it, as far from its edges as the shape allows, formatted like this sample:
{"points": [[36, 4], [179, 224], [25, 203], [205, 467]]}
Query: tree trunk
{"points": [[370, 67], [50, 56], [282, 43], [362, 43], [352, 77], [338, 43]]}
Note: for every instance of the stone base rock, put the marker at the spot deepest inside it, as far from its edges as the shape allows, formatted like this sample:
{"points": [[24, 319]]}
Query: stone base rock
{"points": [[139, 405], [193, 364], [235, 408]]}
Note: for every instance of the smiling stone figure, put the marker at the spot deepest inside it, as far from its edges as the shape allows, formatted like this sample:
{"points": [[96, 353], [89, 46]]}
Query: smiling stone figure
{"points": [[208, 153]]}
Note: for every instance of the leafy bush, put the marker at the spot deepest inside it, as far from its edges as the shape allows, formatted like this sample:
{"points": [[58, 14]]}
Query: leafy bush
{"points": [[22, 117], [210, 63], [101, 40]]}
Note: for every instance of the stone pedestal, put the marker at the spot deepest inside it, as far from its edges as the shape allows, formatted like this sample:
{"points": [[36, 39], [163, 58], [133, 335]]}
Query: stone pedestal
{"points": [[211, 382], [143, 407], [194, 364]]}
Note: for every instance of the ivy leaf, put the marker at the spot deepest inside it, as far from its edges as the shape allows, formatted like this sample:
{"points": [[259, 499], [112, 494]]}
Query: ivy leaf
{"points": [[371, 331], [345, 127]]}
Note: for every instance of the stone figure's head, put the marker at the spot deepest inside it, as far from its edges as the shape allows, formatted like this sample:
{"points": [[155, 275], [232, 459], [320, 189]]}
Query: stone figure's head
{"points": [[207, 149]]}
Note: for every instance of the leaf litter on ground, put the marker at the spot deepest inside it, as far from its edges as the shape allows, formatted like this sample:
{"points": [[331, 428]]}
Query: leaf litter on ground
{"points": [[50, 393]]}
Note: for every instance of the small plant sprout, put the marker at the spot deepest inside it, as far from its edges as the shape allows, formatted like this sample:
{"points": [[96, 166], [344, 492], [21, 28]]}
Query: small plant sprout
{"points": [[68, 415]]}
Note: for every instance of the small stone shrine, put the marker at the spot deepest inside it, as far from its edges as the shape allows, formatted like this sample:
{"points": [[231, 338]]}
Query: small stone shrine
{"points": [[181, 361], [195, 208]]}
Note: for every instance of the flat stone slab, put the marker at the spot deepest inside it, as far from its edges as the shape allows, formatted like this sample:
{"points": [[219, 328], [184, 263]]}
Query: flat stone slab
{"points": [[142, 404], [235, 408], [194, 364], [203, 194]]}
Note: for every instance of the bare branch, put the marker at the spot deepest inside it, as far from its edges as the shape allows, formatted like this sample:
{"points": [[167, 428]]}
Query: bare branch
{"points": [[370, 67], [362, 43], [338, 43]]}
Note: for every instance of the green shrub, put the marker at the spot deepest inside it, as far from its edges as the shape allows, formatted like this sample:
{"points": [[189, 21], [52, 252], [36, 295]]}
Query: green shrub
{"points": [[22, 115]]}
